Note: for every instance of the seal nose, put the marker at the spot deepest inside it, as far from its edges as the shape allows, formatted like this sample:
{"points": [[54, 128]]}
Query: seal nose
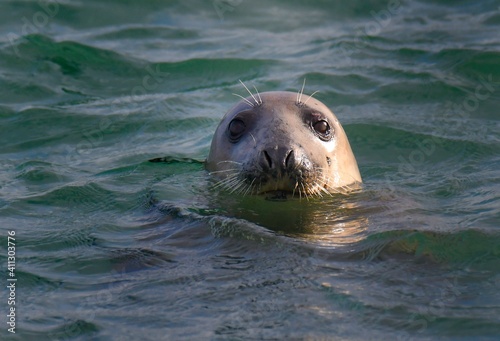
{"points": [[278, 158]]}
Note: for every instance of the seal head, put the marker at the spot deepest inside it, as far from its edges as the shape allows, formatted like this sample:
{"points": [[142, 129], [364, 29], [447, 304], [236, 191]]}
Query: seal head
{"points": [[277, 143]]}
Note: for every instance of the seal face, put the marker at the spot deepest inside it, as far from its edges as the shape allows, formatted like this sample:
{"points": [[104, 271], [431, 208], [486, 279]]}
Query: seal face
{"points": [[277, 143]]}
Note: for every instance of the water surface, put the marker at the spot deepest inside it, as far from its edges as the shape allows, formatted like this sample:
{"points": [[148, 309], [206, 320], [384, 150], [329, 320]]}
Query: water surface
{"points": [[111, 246]]}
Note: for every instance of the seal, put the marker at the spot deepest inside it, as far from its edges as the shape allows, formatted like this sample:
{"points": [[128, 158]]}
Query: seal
{"points": [[275, 143]]}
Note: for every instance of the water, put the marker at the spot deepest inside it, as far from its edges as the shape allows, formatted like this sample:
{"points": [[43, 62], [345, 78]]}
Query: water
{"points": [[110, 246]]}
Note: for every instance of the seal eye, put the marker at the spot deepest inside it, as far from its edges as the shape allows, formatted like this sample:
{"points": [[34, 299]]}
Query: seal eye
{"points": [[236, 129], [323, 130]]}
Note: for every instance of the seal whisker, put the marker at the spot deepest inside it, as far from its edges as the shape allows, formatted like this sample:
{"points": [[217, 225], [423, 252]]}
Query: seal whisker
{"points": [[311, 189], [319, 190], [233, 185], [296, 185], [235, 180], [324, 190], [299, 94], [310, 96], [352, 188], [246, 100], [305, 192], [326, 183], [258, 95], [229, 161], [238, 188], [310, 193], [224, 171], [228, 176], [231, 176], [254, 140], [327, 188], [220, 184], [337, 190], [255, 99], [314, 189], [331, 189], [227, 181], [249, 187], [349, 188]]}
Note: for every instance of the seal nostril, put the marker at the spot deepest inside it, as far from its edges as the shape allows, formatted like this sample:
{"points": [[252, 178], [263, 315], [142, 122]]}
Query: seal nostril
{"points": [[290, 159], [268, 159]]}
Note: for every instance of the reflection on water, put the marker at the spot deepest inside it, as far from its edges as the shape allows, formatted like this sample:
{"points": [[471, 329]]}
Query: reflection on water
{"points": [[333, 221]]}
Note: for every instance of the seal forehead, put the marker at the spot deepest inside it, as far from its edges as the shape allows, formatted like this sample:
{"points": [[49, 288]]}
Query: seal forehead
{"points": [[276, 102], [281, 114]]}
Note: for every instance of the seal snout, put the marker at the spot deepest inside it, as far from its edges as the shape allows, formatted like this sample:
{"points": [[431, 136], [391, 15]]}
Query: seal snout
{"points": [[280, 160], [280, 168]]}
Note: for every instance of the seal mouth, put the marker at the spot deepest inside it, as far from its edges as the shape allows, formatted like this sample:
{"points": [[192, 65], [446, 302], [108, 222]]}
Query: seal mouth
{"points": [[278, 195], [278, 187]]}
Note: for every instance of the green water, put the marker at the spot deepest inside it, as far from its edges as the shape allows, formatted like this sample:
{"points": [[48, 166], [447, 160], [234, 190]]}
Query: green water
{"points": [[110, 246]]}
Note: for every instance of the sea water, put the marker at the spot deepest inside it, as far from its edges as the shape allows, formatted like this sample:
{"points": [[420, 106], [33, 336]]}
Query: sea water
{"points": [[110, 246]]}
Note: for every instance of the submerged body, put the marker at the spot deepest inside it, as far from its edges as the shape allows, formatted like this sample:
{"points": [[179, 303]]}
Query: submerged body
{"points": [[274, 142]]}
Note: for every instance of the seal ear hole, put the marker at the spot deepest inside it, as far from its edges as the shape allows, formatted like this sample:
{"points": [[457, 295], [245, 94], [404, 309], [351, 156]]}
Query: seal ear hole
{"points": [[236, 129]]}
